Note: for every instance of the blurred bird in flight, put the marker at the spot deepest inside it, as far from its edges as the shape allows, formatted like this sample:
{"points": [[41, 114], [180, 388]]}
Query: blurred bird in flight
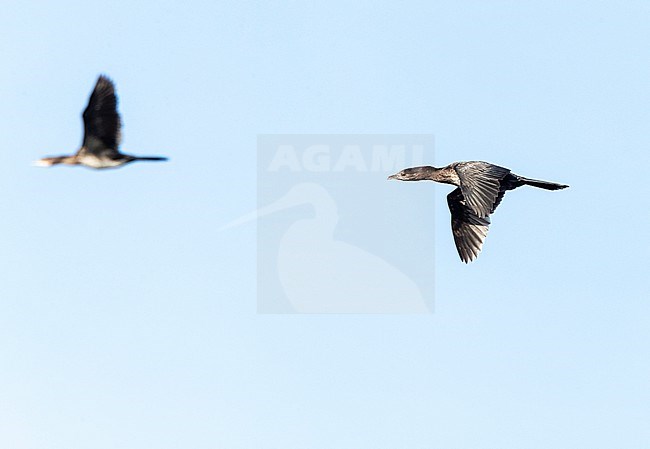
{"points": [[102, 134]]}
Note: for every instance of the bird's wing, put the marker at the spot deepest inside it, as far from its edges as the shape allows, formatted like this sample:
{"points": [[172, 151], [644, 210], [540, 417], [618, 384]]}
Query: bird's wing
{"points": [[480, 184], [101, 119], [468, 228], [497, 201]]}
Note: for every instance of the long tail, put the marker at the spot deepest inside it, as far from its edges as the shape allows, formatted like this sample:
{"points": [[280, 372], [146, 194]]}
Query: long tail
{"points": [[149, 158], [541, 184]]}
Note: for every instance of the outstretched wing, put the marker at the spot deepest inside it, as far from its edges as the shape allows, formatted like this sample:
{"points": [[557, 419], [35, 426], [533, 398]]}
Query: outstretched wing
{"points": [[101, 120], [480, 184], [468, 228]]}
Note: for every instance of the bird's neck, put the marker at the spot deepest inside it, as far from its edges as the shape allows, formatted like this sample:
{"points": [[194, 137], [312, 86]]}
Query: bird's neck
{"points": [[67, 160], [445, 175], [429, 172]]}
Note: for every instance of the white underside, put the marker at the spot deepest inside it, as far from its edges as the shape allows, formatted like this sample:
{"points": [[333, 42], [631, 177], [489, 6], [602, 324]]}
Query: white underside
{"points": [[95, 162]]}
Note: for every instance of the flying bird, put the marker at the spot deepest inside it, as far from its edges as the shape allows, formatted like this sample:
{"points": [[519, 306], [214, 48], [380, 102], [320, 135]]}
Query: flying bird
{"points": [[480, 189], [102, 133]]}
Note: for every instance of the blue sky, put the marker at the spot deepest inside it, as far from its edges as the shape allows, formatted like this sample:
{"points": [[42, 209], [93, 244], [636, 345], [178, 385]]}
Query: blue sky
{"points": [[128, 320]]}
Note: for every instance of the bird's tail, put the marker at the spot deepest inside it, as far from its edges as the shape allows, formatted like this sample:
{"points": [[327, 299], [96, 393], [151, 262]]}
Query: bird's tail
{"points": [[149, 158], [542, 184]]}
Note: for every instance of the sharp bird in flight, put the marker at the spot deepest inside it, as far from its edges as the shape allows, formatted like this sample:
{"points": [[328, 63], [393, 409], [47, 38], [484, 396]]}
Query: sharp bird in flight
{"points": [[480, 189], [102, 125]]}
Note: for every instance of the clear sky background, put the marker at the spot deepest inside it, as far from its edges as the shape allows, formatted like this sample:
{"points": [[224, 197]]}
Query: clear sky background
{"points": [[127, 320]]}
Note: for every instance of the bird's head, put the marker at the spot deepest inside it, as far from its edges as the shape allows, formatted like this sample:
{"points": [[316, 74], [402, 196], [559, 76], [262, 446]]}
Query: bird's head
{"points": [[412, 174], [49, 161]]}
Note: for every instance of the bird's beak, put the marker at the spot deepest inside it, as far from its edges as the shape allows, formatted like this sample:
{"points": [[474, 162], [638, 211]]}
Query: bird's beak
{"points": [[42, 163], [393, 176], [283, 203]]}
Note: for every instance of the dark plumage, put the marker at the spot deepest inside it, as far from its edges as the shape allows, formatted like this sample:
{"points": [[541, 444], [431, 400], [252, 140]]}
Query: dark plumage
{"points": [[102, 133], [480, 189]]}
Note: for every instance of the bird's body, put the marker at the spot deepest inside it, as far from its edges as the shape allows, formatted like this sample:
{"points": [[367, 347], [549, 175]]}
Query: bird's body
{"points": [[102, 133], [480, 189]]}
